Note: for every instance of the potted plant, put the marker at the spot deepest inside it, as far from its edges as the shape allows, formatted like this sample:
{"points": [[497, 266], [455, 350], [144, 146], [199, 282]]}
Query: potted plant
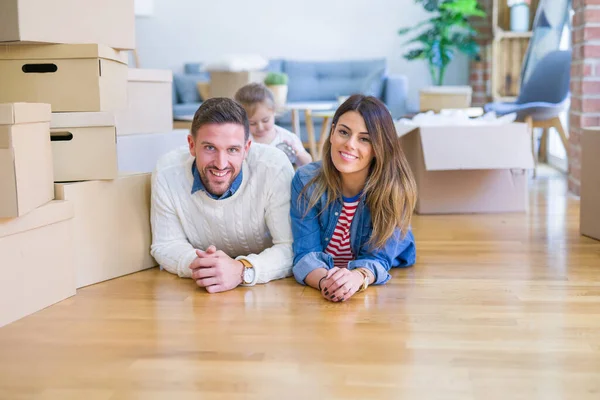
{"points": [[277, 83], [448, 31]]}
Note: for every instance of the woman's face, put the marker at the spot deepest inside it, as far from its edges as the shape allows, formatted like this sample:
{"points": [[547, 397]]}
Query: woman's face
{"points": [[351, 148]]}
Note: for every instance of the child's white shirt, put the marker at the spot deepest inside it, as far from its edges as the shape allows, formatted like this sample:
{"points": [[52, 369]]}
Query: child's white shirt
{"points": [[283, 135]]}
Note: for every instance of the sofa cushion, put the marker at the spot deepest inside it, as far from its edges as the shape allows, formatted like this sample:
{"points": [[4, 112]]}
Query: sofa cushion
{"points": [[275, 65], [185, 109], [325, 81], [193, 68], [187, 87], [373, 84], [174, 94]]}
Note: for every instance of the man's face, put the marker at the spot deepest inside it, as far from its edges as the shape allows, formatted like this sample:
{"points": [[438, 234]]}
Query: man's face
{"points": [[220, 150]]}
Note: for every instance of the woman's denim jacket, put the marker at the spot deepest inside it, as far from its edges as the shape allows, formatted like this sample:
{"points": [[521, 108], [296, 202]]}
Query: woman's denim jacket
{"points": [[313, 232]]}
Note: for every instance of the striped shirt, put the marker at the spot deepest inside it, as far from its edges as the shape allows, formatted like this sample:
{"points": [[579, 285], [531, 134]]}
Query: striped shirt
{"points": [[339, 245]]}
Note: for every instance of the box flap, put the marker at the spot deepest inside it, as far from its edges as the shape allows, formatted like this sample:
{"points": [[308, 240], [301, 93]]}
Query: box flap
{"points": [[60, 51], [149, 75], [81, 119], [403, 129], [23, 113], [476, 147], [50, 213]]}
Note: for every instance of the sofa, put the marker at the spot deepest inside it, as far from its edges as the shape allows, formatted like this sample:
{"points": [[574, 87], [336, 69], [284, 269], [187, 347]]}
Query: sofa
{"points": [[186, 98], [309, 81]]}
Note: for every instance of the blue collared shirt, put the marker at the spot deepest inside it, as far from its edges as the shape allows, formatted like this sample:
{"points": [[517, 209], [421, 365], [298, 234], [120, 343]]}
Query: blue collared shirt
{"points": [[198, 185], [313, 230]]}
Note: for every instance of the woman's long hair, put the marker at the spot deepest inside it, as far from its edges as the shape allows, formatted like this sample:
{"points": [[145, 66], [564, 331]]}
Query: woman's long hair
{"points": [[390, 191]]}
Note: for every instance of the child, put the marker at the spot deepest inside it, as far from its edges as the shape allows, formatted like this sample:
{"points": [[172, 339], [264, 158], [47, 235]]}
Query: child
{"points": [[259, 104]]}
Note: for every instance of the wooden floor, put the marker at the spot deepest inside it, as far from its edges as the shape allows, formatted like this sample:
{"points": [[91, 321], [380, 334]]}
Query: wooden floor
{"points": [[498, 307]]}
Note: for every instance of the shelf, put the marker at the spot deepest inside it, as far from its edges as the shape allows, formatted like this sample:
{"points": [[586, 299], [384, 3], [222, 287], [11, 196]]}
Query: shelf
{"points": [[505, 99], [501, 14], [501, 34]]}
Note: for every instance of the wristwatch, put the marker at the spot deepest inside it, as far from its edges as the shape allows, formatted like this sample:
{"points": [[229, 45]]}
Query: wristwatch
{"points": [[248, 273], [365, 284]]}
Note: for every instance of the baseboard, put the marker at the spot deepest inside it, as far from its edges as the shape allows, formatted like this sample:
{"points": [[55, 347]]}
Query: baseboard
{"points": [[558, 163]]}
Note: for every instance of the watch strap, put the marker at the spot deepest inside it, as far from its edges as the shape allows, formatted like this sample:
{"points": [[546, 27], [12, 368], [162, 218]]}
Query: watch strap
{"points": [[247, 264]]}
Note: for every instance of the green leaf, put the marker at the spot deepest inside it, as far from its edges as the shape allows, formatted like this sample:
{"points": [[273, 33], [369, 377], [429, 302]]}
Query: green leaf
{"points": [[467, 8], [404, 31], [465, 26], [425, 38], [447, 32], [430, 5], [417, 54]]}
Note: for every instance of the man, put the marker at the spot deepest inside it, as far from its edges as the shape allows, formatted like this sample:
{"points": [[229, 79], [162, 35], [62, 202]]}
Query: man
{"points": [[221, 215]]}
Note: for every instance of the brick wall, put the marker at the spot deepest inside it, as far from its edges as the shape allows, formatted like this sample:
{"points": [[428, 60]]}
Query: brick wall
{"points": [[585, 81], [480, 72]]}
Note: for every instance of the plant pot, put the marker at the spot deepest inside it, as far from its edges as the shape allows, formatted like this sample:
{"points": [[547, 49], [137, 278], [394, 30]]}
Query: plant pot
{"points": [[436, 98], [280, 93], [519, 18]]}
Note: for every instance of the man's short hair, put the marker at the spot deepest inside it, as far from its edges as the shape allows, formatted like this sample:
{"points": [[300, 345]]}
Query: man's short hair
{"points": [[221, 110]]}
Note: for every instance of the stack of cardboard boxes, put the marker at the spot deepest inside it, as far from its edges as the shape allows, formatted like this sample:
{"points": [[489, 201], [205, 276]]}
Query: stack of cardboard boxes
{"points": [[68, 216], [36, 237]]}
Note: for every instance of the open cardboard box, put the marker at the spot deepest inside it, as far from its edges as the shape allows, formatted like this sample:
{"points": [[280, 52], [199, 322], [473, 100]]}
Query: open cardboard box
{"points": [[590, 183], [70, 77], [469, 169], [25, 158], [37, 265]]}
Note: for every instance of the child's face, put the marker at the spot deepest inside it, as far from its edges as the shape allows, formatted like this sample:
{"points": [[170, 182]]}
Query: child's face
{"points": [[262, 122]]}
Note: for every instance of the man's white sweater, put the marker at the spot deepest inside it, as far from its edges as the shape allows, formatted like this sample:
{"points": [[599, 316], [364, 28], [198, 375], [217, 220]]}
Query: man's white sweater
{"points": [[253, 224]]}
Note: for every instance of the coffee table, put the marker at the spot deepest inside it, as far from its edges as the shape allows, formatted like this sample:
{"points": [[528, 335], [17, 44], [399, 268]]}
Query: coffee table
{"points": [[327, 115], [183, 122], [309, 108]]}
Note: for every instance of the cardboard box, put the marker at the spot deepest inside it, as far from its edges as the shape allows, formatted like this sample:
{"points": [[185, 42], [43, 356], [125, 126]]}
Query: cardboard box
{"points": [[590, 183], [72, 78], [25, 158], [111, 226], [83, 146], [226, 83], [108, 22], [139, 153], [469, 169], [150, 103], [436, 98], [37, 260]]}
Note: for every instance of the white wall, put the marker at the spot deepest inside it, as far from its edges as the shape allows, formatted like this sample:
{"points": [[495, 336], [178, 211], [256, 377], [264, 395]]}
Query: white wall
{"points": [[182, 31]]}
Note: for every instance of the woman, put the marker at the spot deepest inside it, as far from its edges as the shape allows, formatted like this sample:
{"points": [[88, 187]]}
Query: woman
{"points": [[351, 212]]}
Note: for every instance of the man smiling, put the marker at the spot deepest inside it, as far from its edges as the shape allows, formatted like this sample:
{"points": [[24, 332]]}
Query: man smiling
{"points": [[220, 209]]}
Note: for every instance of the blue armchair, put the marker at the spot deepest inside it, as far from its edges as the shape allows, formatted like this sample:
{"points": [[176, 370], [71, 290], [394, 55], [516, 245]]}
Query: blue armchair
{"points": [[542, 98]]}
